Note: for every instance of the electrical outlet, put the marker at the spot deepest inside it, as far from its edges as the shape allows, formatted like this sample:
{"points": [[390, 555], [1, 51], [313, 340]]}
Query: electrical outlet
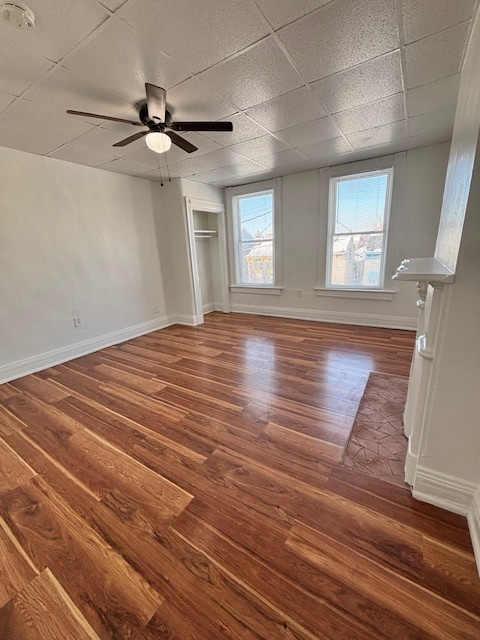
{"points": [[156, 309], [77, 322]]}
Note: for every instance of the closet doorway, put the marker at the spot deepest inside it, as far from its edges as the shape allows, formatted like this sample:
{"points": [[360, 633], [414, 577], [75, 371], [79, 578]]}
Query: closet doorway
{"points": [[208, 257]]}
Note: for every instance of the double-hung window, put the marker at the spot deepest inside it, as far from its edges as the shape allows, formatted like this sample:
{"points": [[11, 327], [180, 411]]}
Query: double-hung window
{"points": [[359, 210], [254, 238]]}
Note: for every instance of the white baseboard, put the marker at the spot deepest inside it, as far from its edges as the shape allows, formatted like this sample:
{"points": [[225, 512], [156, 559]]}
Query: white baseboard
{"points": [[443, 490], [189, 321], [337, 317], [20, 368], [411, 463], [211, 306], [474, 525]]}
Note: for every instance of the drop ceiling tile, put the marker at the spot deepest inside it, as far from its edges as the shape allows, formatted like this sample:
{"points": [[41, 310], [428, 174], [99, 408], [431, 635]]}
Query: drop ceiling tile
{"points": [[155, 176], [427, 140], [243, 129], [325, 149], [365, 154], [59, 27], [123, 166], [57, 127], [204, 144], [440, 94], [315, 131], [79, 155], [213, 176], [24, 140], [194, 100], [375, 114], [281, 159], [435, 57], [378, 136], [189, 167], [422, 18], [102, 141], [296, 107], [118, 60], [340, 35], [62, 89], [440, 121], [113, 5], [220, 158], [196, 34], [266, 145], [5, 100], [259, 74], [281, 12], [18, 71], [245, 168], [146, 157], [366, 83]]}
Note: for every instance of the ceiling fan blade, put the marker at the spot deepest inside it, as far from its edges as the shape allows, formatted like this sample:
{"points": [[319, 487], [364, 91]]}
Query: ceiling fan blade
{"points": [[156, 102], [136, 136], [181, 142], [201, 126], [96, 115]]}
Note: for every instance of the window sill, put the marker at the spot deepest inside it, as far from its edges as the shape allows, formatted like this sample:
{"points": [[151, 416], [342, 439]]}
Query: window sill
{"points": [[360, 294], [266, 290]]}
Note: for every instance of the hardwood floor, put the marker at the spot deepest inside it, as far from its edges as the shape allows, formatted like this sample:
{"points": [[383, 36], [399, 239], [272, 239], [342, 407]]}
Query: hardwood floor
{"points": [[186, 485]]}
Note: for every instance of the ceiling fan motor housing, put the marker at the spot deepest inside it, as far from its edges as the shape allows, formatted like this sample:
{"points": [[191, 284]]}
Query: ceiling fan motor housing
{"points": [[148, 122]]}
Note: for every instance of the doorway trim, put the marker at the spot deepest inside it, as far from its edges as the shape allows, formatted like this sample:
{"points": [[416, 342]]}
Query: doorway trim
{"points": [[195, 204]]}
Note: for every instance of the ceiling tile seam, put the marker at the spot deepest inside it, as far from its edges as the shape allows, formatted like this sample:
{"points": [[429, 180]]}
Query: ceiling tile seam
{"points": [[78, 44], [240, 111], [11, 107], [403, 61], [475, 16], [91, 36], [437, 33], [308, 13], [72, 52], [290, 59], [110, 11]]}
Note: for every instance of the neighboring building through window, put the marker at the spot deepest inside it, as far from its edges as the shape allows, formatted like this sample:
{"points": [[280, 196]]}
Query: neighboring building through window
{"points": [[254, 238], [359, 210]]}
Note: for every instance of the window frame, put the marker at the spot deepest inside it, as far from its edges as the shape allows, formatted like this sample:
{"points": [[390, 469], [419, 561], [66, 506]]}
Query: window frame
{"points": [[233, 194], [331, 216]]}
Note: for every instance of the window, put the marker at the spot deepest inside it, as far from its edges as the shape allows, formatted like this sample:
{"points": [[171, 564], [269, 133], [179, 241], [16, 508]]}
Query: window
{"points": [[254, 237], [359, 209]]}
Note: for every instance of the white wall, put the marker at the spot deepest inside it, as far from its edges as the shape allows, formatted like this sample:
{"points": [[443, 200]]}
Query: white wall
{"points": [[171, 215], [449, 449], [74, 241], [415, 217]]}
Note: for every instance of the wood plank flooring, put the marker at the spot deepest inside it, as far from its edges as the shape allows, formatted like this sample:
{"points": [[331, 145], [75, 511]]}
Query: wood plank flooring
{"points": [[186, 485]]}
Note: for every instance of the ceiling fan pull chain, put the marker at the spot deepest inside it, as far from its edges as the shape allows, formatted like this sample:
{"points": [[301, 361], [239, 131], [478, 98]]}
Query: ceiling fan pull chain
{"points": [[168, 168], [159, 170]]}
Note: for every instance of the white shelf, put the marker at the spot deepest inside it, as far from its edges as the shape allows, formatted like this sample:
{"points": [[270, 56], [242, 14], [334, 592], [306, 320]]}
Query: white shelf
{"points": [[423, 269], [206, 233]]}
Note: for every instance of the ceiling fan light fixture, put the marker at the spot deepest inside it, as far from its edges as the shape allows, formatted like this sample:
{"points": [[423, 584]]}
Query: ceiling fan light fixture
{"points": [[158, 141]]}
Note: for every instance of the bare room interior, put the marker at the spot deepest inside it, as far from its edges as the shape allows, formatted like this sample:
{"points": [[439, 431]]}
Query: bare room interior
{"points": [[239, 320]]}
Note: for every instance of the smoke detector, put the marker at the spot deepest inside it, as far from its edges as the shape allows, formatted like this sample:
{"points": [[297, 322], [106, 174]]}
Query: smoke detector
{"points": [[18, 15]]}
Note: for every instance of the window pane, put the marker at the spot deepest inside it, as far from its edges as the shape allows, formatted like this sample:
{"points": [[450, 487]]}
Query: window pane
{"points": [[256, 262], [256, 216], [357, 260], [361, 203], [255, 248]]}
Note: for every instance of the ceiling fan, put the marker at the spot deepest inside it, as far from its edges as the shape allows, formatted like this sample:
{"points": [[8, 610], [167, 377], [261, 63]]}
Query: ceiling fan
{"points": [[161, 130]]}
